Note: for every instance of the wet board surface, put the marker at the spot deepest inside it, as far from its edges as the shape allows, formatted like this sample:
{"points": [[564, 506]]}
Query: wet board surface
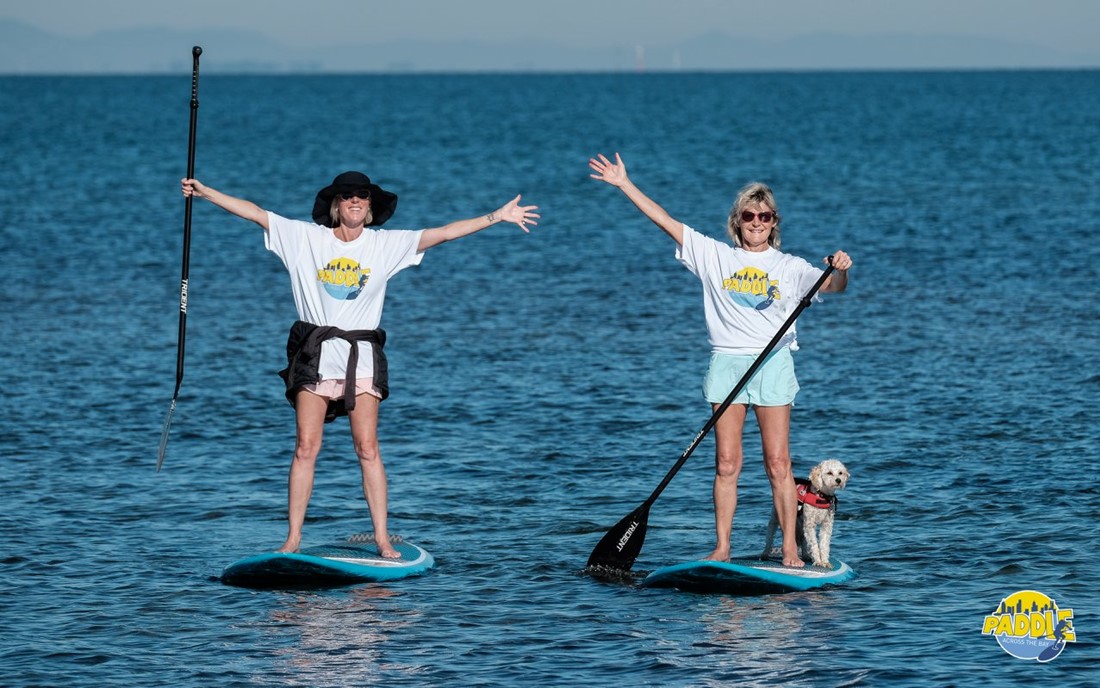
{"points": [[339, 563], [746, 576]]}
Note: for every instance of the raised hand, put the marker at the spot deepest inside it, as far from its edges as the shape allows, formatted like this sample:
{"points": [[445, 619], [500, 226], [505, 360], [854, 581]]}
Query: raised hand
{"points": [[521, 215], [614, 173]]}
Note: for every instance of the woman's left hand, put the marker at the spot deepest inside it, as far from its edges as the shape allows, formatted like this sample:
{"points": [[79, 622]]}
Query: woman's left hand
{"points": [[521, 215], [840, 261]]}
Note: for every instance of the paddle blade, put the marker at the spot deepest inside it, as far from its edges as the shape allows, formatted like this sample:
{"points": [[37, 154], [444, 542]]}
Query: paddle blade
{"points": [[164, 435], [621, 545]]}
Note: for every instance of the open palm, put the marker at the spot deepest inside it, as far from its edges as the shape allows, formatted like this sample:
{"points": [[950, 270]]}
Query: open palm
{"points": [[613, 173]]}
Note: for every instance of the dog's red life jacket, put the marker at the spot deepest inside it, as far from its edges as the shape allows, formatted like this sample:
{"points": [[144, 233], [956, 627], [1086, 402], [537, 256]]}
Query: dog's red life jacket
{"points": [[806, 495]]}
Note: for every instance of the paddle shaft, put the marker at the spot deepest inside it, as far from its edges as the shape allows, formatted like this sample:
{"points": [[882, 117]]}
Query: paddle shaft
{"points": [[621, 545], [195, 52], [803, 304]]}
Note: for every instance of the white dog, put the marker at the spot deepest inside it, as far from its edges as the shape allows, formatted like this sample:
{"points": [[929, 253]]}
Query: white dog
{"points": [[816, 511]]}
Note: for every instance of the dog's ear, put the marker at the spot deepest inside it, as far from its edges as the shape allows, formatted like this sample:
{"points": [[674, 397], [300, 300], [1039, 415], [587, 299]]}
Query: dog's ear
{"points": [[815, 476]]}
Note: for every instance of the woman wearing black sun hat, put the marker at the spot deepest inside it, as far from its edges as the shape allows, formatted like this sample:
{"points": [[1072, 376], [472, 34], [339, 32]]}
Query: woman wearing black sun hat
{"points": [[339, 270]]}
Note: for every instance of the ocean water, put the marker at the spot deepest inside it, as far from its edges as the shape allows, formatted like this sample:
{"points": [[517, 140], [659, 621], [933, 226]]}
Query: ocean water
{"points": [[543, 384]]}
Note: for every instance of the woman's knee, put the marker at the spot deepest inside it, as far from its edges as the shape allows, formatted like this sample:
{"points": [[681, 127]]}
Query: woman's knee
{"points": [[728, 464], [307, 449], [778, 467], [367, 450]]}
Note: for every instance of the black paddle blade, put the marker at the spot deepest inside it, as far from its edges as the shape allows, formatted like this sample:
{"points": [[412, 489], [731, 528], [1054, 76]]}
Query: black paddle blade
{"points": [[621, 545], [164, 435]]}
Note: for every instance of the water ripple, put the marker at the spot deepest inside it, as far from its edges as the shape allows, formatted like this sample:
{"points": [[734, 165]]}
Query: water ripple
{"points": [[543, 384]]}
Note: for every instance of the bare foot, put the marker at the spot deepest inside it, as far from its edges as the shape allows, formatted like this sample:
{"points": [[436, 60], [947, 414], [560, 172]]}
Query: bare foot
{"points": [[719, 554], [290, 546], [387, 550], [793, 560]]}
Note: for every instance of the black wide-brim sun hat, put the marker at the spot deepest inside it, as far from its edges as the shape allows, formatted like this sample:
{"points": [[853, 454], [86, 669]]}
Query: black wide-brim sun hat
{"points": [[382, 202]]}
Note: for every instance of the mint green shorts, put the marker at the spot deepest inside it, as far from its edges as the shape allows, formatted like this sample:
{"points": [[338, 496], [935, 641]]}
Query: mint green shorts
{"points": [[773, 384]]}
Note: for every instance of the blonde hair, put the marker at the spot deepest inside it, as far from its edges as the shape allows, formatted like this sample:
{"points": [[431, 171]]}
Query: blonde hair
{"points": [[753, 194]]}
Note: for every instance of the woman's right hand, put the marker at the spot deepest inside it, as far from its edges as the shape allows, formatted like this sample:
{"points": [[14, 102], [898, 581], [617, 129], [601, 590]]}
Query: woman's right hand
{"points": [[193, 187], [614, 173]]}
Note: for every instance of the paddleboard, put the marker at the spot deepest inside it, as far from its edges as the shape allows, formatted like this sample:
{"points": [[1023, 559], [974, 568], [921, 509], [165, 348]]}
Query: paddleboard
{"points": [[746, 576], [355, 560]]}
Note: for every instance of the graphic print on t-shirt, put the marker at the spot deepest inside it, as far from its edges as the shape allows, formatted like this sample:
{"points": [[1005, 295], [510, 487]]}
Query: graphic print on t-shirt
{"points": [[343, 278], [752, 288]]}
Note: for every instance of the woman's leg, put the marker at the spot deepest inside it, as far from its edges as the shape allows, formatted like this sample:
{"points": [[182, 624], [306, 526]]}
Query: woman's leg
{"points": [[364, 432], [310, 419], [728, 458], [775, 430]]}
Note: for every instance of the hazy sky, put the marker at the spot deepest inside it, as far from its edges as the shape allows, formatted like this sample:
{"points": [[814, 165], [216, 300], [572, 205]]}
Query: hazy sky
{"points": [[1068, 25]]}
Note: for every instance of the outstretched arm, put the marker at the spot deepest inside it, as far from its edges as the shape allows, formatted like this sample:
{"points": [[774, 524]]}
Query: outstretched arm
{"points": [[238, 206], [838, 281], [614, 173], [511, 211]]}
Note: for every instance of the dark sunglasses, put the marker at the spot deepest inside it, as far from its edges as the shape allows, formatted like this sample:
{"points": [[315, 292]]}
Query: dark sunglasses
{"points": [[357, 193], [765, 217]]}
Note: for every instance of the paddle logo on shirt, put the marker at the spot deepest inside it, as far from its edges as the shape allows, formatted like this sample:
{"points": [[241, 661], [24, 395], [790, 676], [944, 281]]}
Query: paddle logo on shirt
{"points": [[1030, 625], [343, 278], [751, 287]]}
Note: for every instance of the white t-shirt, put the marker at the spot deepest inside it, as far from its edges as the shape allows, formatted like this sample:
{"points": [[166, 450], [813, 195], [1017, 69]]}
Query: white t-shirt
{"points": [[340, 283], [747, 296]]}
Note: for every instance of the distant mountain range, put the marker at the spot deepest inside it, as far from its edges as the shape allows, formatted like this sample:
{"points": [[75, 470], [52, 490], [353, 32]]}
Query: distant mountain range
{"points": [[25, 49]]}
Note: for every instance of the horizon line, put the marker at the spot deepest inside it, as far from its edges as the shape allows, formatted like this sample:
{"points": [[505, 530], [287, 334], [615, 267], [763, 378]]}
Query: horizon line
{"points": [[563, 72]]}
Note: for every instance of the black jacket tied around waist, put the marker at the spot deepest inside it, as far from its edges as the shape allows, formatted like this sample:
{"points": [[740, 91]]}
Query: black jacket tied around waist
{"points": [[303, 356]]}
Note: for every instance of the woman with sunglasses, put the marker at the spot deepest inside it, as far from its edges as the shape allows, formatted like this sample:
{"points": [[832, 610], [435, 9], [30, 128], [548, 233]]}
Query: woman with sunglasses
{"points": [[748, 291], [339, 269]]}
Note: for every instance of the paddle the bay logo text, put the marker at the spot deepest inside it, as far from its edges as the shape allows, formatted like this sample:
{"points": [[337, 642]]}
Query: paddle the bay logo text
{"points": [[752, 288], [1029, 625], [343, 278]]}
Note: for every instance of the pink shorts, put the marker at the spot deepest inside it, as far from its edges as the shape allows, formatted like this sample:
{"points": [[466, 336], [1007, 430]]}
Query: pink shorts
{"points": [[333, 390]]}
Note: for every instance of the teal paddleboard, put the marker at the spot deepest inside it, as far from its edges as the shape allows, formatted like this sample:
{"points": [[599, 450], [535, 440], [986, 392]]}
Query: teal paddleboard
{"points": [[747, 576], [338, 563]]}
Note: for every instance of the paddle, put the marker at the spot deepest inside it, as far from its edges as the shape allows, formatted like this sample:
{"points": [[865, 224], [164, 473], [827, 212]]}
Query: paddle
{"points": [[620, 546], [195, 52]]}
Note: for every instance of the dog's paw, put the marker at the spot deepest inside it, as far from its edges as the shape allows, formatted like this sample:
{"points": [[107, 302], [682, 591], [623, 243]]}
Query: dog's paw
{"points": [[823, 563]]}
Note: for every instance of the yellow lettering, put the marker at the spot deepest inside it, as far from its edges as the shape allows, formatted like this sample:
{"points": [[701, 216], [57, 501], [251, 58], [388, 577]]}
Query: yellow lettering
{"points": [[1020, 625], [1039, 626], [990, 624]]}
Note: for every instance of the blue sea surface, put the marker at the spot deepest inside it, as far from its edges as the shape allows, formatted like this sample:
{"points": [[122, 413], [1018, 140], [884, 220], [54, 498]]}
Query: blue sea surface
{"points": [[543, 384]]}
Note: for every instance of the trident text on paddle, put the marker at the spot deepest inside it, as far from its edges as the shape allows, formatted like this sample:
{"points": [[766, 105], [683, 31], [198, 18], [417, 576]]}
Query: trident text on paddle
{"points": [[626, 536]]}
